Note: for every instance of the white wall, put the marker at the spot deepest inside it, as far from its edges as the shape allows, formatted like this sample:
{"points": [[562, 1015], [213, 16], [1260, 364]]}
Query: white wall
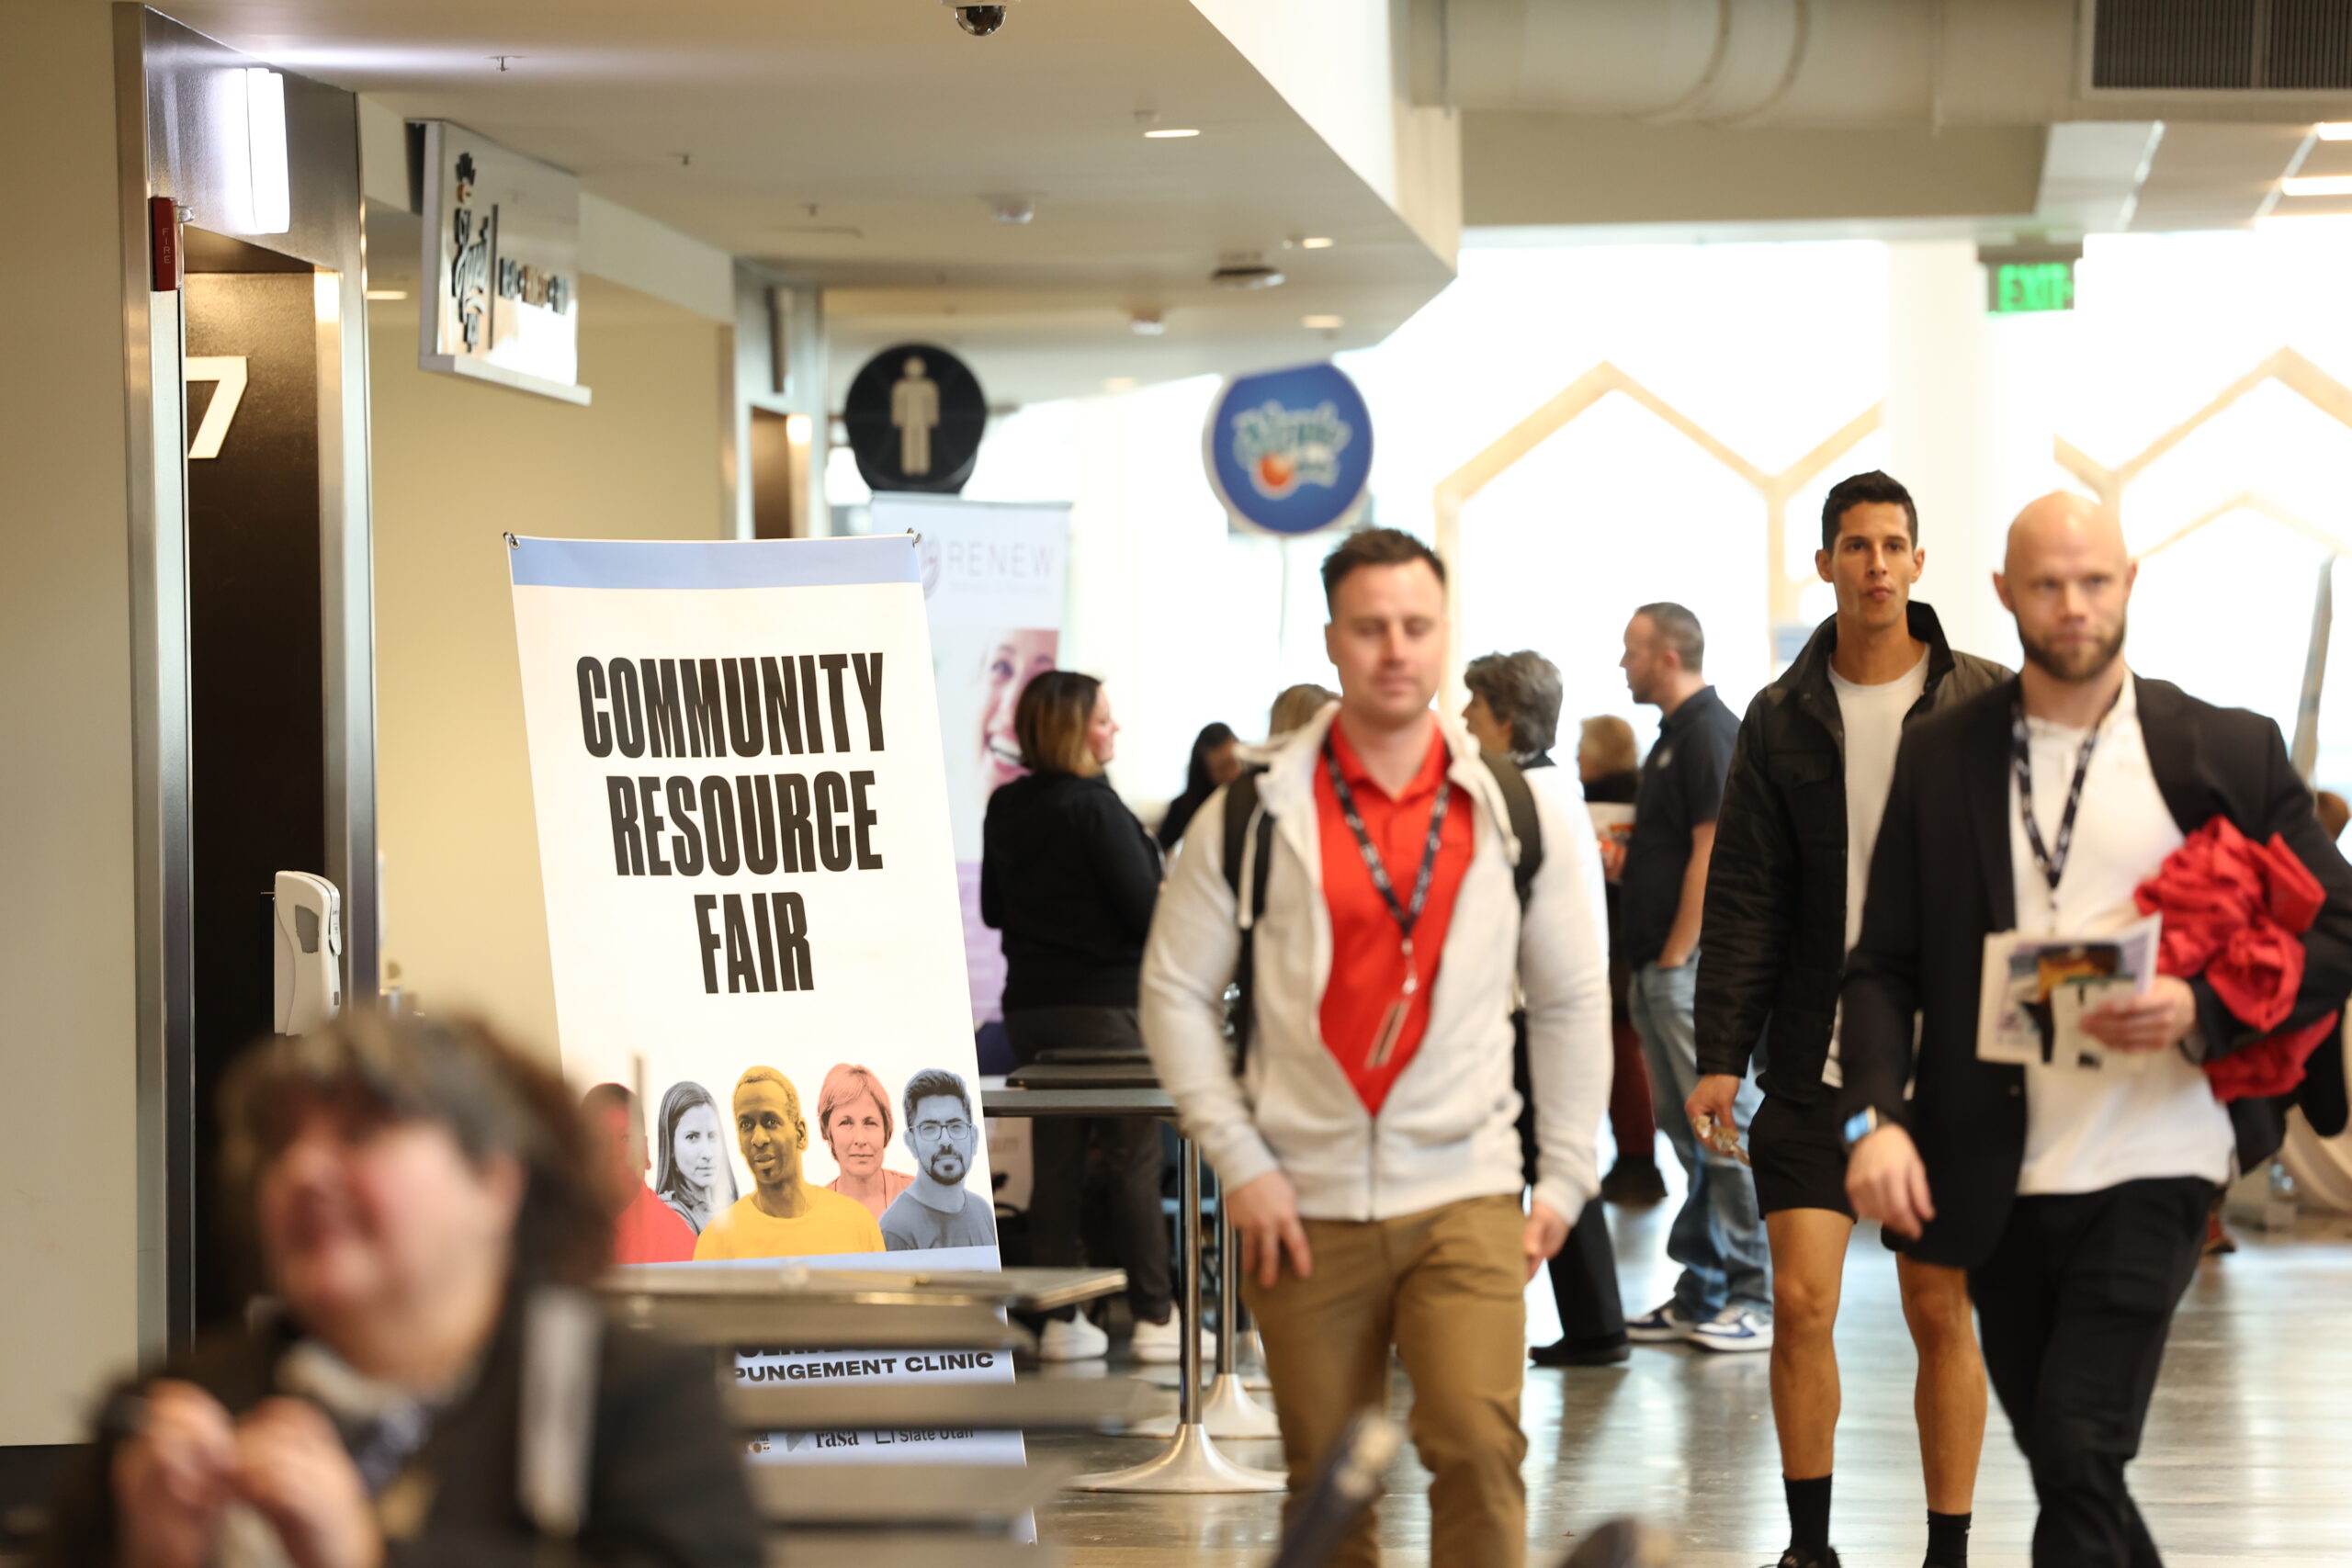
{"points": [[68, 1220], [1770, 348], [458, 464]]}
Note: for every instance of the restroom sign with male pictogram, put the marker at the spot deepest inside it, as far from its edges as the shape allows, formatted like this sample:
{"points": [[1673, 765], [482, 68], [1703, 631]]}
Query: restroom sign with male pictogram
{"points": [[915, 415]]}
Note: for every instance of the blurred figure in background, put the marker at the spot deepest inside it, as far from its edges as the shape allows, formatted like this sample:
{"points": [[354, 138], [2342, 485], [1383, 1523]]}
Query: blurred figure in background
{"points": [[1214, 761], [644, 1229], [1611, 767], [1296, 706], [1071, 878], [1515, 709], [426, 1212]]}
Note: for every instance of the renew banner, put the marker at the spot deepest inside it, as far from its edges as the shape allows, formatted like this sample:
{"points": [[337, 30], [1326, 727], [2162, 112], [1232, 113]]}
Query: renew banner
{"points": [[992, 575], [750, 888]]}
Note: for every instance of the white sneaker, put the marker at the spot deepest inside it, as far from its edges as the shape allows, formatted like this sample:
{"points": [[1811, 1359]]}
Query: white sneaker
{"points": [[1660, 1325], [1161, 1344], [1733, 1329], [1072, 1339]]}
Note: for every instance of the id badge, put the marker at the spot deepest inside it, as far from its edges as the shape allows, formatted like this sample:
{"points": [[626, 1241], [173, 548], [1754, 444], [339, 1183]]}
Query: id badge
{"points": [[1392, 1027]]}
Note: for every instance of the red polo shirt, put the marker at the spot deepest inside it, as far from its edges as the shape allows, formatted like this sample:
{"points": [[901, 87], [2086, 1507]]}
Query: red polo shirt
{"points": [[1367, 949]]}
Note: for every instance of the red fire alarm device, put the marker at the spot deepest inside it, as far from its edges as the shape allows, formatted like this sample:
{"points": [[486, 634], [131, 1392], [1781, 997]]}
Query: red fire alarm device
{"points": [[163, 222]]}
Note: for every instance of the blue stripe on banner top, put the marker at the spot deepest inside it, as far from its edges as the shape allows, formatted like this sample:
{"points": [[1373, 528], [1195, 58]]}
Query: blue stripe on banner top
{"points": [[729, 563]]}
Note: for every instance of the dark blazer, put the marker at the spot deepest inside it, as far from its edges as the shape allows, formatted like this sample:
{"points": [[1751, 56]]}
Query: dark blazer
{"points": [[1941, 882], [1773, 947], [666, 1484]]}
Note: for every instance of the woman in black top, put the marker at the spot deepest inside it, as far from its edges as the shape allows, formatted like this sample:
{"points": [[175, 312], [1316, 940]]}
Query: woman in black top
{"points": [[421, 1198], [1070, 877], [1215, 764], [1611, 768]]}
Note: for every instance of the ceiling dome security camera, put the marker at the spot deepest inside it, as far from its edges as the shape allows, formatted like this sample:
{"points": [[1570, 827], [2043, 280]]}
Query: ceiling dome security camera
{"points": [[979, 20]]}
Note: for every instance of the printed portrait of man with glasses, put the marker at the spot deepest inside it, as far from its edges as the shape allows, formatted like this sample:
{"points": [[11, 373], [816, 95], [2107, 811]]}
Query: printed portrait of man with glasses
{"points": [[941, 1131]]}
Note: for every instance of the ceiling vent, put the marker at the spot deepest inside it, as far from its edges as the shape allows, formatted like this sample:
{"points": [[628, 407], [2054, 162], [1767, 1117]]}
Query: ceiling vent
{"points": [[2232, 45]]}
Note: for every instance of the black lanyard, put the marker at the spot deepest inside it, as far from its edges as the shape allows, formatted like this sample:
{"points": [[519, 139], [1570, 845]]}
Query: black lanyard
{"points": [[1407, 916], [2053, 865]]}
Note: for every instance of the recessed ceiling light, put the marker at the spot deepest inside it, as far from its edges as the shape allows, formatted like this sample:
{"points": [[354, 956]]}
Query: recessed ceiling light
{"points": [[1170, 134], [2334, 131], [1121, 384], [2317, 185], [1322, 323], [2328, 223], [1316, 243], [388, 294]]}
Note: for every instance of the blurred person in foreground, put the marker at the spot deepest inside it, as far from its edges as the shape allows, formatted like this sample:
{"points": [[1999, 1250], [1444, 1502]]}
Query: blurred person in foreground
{"points": [[425, 1206], [1514, 709], [1610, 766]]}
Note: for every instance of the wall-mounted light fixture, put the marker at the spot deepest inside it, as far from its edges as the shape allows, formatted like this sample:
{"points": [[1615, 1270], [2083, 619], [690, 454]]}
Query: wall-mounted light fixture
{"points": [[268, 200]]}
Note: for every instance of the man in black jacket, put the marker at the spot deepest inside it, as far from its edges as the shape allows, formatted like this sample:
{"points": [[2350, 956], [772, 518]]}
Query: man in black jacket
{"points": [[1809, 777], [2075, 1197]]}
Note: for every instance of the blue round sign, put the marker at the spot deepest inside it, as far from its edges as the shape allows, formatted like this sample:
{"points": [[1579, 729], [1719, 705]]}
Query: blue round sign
{"points": [[1290, 451]]}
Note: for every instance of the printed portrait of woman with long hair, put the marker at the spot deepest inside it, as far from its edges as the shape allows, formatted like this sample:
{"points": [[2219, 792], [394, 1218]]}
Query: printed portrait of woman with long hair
{"points": [[691, 1171]]}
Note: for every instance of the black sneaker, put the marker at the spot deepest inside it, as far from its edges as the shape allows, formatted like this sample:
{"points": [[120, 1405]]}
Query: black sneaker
{"points": [[1582, 1352], [1632, 1185], [1792, 1558]]}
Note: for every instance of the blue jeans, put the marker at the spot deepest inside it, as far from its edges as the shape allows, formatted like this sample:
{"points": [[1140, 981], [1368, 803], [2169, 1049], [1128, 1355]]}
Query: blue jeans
{"points": [[1718, 1237]]}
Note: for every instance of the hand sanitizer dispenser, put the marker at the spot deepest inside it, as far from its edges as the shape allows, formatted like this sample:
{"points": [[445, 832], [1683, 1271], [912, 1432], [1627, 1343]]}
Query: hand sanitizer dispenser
{"points": [[309, 924]]}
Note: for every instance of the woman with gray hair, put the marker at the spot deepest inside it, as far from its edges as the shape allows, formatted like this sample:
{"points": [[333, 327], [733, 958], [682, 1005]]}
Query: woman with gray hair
{"points": [[1514, 708], [420, 1201]]}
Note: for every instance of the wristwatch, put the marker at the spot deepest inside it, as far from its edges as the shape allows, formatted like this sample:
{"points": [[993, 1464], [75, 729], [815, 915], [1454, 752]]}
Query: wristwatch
{"points": [[1861, 1125]]}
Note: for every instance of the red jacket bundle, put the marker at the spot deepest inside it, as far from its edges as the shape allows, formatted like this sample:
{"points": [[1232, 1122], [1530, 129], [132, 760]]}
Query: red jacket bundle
{"points": [[2235, 912]]}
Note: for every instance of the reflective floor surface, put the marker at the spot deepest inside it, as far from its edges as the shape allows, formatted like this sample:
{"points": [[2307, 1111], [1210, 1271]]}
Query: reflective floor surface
{"points": [[2247, 1460]]}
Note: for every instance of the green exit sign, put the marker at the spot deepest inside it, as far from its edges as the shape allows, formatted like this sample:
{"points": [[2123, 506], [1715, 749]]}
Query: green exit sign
{"points": [[2025, 279], [2020, 287]]}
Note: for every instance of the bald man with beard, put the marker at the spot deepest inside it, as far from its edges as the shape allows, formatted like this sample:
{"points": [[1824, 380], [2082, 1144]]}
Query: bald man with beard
{"points": [[2074, 1198]]}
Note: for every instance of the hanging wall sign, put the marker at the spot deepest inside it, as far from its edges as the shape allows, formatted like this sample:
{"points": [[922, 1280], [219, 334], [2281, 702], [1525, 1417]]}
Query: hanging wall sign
{"points": [[502, 266], [1290, 451], [915, 415]]}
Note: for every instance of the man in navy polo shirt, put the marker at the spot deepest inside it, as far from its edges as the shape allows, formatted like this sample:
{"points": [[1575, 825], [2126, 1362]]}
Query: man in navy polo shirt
{"points": [[1724, 1299]]}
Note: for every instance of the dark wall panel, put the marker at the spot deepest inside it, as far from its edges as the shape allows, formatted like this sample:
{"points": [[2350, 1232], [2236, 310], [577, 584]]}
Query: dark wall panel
{"points": [[256, 699]]}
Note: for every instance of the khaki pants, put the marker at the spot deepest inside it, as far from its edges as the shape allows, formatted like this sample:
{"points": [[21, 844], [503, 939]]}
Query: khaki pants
{"points": [[1443, 1286]]}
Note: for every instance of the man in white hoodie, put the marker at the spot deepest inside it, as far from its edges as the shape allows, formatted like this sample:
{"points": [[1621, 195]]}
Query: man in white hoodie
{"points": [[1369, 1147]]}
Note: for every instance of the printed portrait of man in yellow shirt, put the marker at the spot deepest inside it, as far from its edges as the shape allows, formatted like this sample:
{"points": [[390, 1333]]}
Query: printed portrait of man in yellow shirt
{"points": [[782, 1216]]}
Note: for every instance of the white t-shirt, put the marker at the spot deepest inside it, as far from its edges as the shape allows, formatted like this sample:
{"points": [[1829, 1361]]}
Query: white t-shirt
{"points": [[2086, 1130], [1873, 716]]}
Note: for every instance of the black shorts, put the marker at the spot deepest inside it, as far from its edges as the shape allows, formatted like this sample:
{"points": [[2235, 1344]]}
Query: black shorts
{"points": [[1799, 1154]]}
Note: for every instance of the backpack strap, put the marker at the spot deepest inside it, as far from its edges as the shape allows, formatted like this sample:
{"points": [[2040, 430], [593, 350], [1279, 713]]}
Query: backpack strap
{"points": [[1518, 803], [1248, 846]]}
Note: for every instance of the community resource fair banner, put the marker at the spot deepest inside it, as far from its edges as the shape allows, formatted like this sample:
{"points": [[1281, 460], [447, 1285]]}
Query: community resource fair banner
{"points": [[992, 577], [744, 834]]}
